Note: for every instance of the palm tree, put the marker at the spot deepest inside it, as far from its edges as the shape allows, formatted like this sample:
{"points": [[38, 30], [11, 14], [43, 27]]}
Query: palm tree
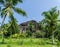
{"points": [[51, 17], [9, 6]]}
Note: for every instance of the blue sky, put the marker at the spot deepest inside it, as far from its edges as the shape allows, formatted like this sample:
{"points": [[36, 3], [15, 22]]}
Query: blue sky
{"points": [[34, 8]]}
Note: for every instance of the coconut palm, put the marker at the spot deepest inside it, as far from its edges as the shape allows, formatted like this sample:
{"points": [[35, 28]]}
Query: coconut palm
{"points": [[9, 7], [51, 17]]}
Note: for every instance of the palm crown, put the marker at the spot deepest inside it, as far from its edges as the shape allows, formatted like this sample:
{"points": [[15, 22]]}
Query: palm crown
{"points": [[51, 18], [52, 15], [9, 6]]}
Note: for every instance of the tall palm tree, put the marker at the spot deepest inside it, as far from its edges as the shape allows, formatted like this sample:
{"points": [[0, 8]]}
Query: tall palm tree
{"points": [[51, 17], [9, 7]]}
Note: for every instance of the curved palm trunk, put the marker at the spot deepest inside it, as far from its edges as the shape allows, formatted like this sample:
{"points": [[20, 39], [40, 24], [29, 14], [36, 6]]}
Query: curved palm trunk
{"points": [[1, 28]]}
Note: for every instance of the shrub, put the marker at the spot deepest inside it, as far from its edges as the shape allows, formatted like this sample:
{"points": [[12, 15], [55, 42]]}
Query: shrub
{"points": [[28, 34], [15, 36], [22, 35], [39, 34]]}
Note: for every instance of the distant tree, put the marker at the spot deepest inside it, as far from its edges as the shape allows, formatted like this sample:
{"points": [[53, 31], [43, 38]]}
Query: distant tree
{"points": [[30, 29], [31, 26], [43, 26], [14, 27], [51, 17]]}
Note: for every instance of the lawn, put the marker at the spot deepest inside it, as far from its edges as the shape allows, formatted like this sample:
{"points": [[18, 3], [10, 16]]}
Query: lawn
{"points": [[28, 42]]}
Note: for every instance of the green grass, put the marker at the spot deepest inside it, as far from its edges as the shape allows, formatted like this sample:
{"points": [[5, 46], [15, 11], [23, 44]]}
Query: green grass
{"points": [[28, 42]]}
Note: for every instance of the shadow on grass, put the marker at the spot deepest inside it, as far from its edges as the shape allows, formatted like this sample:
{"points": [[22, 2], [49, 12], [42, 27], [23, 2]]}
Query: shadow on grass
{"points": [[49, 43], [3, 43]]}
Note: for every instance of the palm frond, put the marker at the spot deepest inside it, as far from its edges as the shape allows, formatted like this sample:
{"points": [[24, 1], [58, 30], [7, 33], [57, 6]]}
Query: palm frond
{"points": [[47, 15], [20, 11], [2, 12], [15, 2]]}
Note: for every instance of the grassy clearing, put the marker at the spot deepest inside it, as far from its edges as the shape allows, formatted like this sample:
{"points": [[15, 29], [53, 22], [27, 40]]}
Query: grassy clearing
{"points": [[28, 42]]}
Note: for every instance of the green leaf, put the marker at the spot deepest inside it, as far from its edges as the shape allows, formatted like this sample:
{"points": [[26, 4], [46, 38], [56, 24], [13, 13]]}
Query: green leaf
{"points": [[20, 11]]}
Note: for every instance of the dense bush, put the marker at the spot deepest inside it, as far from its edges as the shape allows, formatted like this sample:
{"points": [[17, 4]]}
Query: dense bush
{"points": [[23, 35], [29, 34], [15, 36], [39, 34]]}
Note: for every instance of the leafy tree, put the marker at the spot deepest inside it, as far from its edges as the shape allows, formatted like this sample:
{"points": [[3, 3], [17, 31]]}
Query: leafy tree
{"points": [[13, 28], [39, 34], [4, 29], [51, 17], [31, 26], [43, 26], [10, 28]]}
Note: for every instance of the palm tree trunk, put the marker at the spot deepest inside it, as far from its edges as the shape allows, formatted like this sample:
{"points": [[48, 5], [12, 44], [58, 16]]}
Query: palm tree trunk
{"points": [[53, 41], [1, 28]]}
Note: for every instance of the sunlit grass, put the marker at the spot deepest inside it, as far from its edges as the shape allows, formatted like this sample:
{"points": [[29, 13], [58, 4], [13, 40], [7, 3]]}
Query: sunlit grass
{"points": [[27, 42]]}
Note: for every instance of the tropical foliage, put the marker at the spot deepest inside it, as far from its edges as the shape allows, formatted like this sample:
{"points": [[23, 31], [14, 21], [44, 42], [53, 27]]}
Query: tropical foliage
{"points": [[9, 7], [51, 18], [48, 28]]}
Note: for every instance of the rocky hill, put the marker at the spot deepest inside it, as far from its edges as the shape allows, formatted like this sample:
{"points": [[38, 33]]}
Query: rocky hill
{"points": [[25, 26]]}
